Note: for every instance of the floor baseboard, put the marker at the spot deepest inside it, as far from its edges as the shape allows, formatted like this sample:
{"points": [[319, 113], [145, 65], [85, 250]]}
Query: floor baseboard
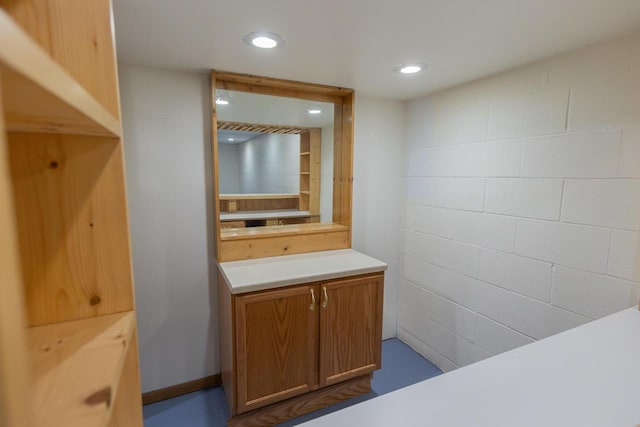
{"points": [[180, 389]]}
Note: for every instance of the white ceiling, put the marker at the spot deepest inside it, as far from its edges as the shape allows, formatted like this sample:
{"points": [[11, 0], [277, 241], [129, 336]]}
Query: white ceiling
{"points": [[356, 43]]}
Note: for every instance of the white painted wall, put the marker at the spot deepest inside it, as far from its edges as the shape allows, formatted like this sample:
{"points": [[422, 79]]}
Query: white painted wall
{"points": [[377, 191], [523, 204], [270, 163], [229, 168], [167, 150]]}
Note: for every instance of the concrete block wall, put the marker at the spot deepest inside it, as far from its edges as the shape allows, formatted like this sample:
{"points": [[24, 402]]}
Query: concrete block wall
{"points": [[522, 204], [229, 169], [270, 163]]}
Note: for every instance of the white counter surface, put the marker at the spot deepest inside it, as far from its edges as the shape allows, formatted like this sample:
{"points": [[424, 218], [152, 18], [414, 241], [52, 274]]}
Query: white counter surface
{"points": [[588, 376], [248, 215], [274, 272]]}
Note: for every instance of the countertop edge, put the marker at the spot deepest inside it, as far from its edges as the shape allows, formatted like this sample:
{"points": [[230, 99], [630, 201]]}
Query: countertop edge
{"points": [[374, 267], [303, 279]]}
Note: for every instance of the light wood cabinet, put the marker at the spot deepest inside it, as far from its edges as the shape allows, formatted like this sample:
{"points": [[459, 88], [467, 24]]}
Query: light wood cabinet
{"points": [[277, 345], [350, 328], [68, 346], [298, 341]]}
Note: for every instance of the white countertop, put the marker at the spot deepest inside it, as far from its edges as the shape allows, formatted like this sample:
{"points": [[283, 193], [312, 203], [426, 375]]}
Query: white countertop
{"points": [[278, 213], [588, 376], [274, 272]]}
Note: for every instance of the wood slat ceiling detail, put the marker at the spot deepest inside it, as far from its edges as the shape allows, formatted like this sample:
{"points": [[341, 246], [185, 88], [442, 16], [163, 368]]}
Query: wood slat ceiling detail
{"points": [[255, 127]]}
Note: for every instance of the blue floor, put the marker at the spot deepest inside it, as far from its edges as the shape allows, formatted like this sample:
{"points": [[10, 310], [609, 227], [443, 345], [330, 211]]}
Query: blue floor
{"points": [[401, 366]]}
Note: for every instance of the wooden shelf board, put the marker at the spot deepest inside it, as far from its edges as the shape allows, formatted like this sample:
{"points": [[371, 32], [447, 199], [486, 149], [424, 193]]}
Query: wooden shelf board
{"points": [[306, 153], [280, 230], [304, 192], [265, 196], [76, 369], [40, 96]]}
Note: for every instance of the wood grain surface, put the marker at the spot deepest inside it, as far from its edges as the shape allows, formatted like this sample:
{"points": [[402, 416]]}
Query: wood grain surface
{"points": [[287, 244], [76, 369], [77, 35], [14, 407], [227, 338], [277, 345], [72, 224], [301, 405], [350, 328]]}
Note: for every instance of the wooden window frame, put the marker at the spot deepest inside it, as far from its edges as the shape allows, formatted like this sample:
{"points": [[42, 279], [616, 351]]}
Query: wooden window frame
{"points": [[263, 242]]}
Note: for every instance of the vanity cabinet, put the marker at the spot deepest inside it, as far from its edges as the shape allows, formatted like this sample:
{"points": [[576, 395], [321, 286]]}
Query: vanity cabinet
{"points": [[350, 328], [297, 340], [276, 344]]}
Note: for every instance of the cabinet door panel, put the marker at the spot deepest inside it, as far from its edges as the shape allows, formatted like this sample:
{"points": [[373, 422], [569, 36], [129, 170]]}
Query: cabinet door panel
{"points": [[350, 328], [277, 342]]}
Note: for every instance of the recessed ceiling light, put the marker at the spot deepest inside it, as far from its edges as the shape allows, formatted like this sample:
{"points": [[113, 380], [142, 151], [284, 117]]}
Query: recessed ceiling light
{"points": [[409, 68], [220, 101], [231, 139], [314, 111], [263, 40]]}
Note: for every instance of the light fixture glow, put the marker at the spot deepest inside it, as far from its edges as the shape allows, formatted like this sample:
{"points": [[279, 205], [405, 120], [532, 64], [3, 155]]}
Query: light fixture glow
{"points": [[220, 101], [314, 111], [263, 40], [231, 139], [408, 68]]}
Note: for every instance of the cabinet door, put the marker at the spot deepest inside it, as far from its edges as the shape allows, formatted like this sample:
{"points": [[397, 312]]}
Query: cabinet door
{"points": [[277, 344], [350, 328]]}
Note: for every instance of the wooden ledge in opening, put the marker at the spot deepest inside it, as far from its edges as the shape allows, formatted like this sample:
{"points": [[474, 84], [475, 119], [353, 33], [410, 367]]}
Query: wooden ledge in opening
{"points": [[280, 230], [257, 196], [239, 244], [257, 202]]}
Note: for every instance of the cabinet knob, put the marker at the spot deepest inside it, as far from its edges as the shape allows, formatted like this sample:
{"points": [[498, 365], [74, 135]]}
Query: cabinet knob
{"points": [[312, 306], [326, 297]]}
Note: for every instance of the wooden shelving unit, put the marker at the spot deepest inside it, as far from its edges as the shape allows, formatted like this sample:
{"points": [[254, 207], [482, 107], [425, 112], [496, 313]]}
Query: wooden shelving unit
{"points": [[68, 346], [39, 95], [310, 171], [77, 368]]}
